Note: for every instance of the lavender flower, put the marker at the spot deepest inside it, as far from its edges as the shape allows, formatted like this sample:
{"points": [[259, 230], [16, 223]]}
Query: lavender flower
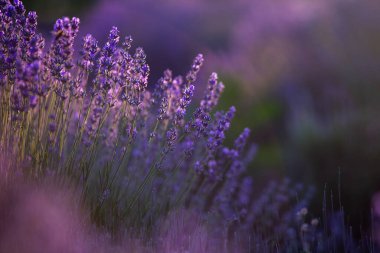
{"points": [[103, 82], [216, 135], [88, 53], [61, 53], [188, 90]]}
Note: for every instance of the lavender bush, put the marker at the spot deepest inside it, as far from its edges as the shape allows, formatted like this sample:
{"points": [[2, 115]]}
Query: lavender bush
{"points": [[135, 153]]}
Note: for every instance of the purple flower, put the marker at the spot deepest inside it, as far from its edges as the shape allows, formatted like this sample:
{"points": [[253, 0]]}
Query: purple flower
{"points": [[240, 142], [103, 81], [188, 90], [88, 52], [171, 137], [216, 134], [61, 53]]}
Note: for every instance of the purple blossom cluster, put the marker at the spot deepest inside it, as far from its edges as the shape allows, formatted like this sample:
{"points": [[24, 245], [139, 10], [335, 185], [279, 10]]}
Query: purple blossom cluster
{"points": [[20, 55], [95, 118], [135, 150]]}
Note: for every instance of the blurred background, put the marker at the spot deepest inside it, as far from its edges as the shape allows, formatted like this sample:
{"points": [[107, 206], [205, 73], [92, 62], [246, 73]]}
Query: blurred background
{"points": [[304, 76]]}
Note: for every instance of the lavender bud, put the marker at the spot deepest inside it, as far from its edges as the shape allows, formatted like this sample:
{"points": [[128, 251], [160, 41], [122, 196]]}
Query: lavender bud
{"points": [[127, 42], [240, 142]]}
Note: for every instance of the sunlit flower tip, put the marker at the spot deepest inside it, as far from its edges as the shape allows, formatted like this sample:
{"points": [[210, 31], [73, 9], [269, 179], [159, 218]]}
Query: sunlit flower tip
{"points": [[89, 41], [140, 54], [168, 76], [66, 23], [31, 20], [58, 26], [19, 7], [75, 24], [32, 17], [314, 222], [127, 43], [88, 52], [113, 36], [213, 80], [198, 61]]}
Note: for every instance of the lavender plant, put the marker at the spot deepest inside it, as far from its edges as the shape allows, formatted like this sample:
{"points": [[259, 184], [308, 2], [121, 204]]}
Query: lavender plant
{"points": [[93, 120], [134, 151]]}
